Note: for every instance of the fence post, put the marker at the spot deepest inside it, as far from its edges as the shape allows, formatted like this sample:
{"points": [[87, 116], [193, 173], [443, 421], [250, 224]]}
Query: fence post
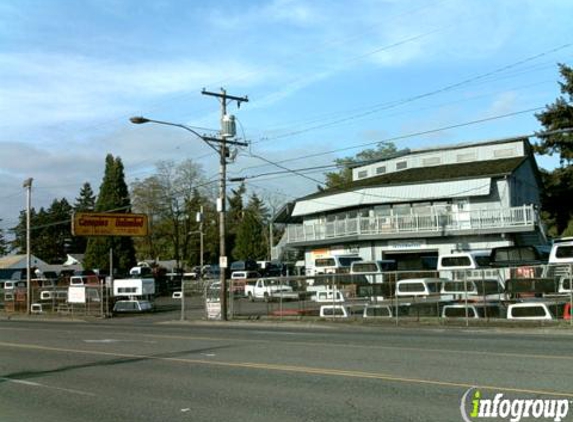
{"points": [[466, 297], [396, 296], [571, 294]]}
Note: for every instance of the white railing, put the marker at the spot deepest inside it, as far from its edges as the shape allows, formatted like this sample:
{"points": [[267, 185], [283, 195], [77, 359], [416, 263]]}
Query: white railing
{"points": [[449, 222]]}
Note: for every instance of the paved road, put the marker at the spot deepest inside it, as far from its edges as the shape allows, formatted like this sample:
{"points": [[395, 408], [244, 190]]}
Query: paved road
{"points": [[140, 370]]}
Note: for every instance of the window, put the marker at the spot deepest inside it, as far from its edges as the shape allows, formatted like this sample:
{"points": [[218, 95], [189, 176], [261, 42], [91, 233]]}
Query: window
{"points": [[362, 174], [381, 170], [431, 161], [501, 153], [346, 262], [457, 287], [127, 289], [401, 165], [383, 211], [422, 208], [378, 312], [324, 262], [402, 209], [528, 311], [412, 287], [564, 252], [458, 312], [456, 261], [367, 267], [468, 156]]}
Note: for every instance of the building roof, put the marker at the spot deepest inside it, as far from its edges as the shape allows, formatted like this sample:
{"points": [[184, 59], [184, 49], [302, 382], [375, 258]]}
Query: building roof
{"points": [[10, 261], [19, 262], [448, 172]]}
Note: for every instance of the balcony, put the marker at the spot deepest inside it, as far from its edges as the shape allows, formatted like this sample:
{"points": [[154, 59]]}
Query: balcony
{"points": [[514, 219]]}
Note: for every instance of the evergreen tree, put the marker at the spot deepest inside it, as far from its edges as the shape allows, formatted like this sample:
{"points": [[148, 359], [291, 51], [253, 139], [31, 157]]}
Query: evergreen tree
{"points": [[50, 232], [113, 197], [559, 182], [86, 200], [234, 218], [84, 203], [251, 241], [54, 235], [3, 243]]}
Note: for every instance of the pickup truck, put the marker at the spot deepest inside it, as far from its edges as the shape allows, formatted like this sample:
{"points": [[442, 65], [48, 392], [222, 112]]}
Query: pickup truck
{"points": [[269, 289]]}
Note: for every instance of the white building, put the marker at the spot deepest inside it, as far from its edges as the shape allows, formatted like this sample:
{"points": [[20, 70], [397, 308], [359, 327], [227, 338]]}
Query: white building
{"points": [[419, 203]]}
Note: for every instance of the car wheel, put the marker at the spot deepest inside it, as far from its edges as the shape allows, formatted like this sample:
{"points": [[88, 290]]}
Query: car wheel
{"points": [[267, 297], [251, 298]]}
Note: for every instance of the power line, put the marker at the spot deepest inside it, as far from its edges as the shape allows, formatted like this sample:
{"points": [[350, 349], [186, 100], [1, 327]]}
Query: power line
{"points": [[388, 105], [410, 135]]}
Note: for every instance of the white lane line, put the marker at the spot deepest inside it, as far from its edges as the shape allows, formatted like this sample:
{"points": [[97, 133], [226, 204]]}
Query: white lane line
{"points": [[37, 384], [112, 340]]}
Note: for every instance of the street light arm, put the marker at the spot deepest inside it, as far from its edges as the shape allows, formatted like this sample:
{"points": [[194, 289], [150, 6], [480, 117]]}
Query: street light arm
{"points": [[138, 120]]}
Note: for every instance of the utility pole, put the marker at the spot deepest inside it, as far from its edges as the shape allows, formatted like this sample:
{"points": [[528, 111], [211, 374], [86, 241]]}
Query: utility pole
{"points": [[28, 186], [224, 99], [201, 244]]}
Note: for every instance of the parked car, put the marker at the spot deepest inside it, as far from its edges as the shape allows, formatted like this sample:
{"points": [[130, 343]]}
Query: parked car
{"points": [[269, 289], [516, 256], [132, 306], [246, 265], [239, 280]]}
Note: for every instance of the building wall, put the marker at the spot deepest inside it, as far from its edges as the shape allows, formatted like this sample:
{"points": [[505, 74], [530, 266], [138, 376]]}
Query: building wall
{"points": [[389, 249], [525, 186], [438, 157]]}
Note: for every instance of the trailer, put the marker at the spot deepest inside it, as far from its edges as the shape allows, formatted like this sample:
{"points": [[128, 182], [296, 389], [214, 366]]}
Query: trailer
{"points": [[129, 287]]}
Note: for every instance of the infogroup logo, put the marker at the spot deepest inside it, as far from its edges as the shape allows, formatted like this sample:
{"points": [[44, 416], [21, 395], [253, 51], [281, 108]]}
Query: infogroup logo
{"points": [[474, 407]]}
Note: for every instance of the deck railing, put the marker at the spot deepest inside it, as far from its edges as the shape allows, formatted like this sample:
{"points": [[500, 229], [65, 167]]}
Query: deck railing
{"points": [[447, 222]]}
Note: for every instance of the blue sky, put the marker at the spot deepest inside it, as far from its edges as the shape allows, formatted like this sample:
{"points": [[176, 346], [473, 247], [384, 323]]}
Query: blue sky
{"points": [[320, 75]]}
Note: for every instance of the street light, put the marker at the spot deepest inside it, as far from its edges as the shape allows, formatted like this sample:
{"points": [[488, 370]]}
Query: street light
{"points": [[28, 186], [222, 151]]}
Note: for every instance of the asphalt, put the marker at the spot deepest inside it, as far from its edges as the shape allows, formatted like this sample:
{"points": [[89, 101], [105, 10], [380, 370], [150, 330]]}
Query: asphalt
{"points": [[146, 369]]}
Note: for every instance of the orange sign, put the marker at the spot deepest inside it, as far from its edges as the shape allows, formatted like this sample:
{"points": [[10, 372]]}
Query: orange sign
{"points": [[109, 224]]}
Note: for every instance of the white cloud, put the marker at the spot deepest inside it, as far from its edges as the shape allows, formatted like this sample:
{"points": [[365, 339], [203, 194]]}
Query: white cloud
{"points": [[57, 88]]}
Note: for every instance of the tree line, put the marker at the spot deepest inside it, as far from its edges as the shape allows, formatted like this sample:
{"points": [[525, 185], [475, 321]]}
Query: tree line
{"points": [[172, 196]]}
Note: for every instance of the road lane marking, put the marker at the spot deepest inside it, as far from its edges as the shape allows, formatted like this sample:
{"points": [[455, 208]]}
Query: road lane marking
{"points": [[295, 369], [50, 387], [369, 347], [356, 346]]}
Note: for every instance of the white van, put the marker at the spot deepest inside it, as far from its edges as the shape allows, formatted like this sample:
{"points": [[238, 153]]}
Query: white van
{"points": [[529, 311], [419, 287], [333, 264]]}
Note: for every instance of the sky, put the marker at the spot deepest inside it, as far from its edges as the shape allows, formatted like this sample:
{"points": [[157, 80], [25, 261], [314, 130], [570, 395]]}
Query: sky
{"points": [[325, 79]]}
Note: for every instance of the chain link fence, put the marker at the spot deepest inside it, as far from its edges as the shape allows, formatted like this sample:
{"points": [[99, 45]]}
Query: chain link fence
{"points": [[525, 293]]}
